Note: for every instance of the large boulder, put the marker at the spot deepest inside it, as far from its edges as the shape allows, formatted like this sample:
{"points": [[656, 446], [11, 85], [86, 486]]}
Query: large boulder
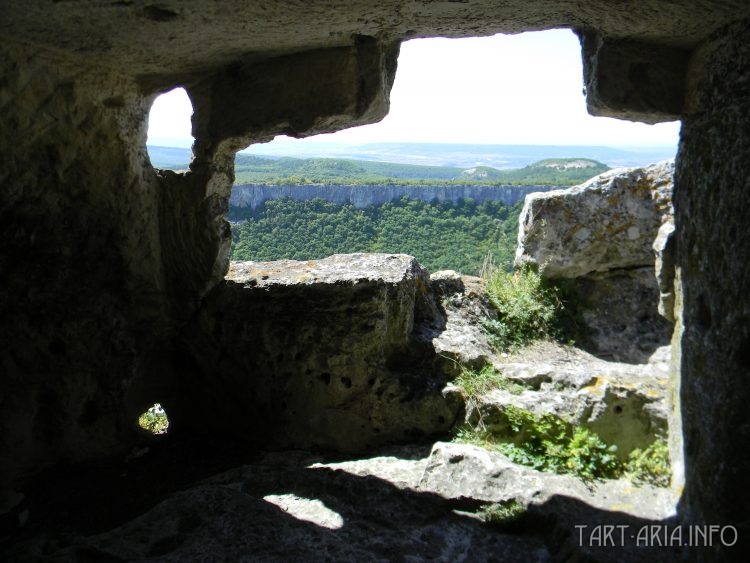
{"points": [[601, 234], [607, 223], [315, 353]]}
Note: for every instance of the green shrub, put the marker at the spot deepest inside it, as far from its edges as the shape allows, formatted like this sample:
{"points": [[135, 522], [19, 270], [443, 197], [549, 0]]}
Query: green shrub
{"points": [[650, 465], [526, 307], [548, 443], [477, 382]]}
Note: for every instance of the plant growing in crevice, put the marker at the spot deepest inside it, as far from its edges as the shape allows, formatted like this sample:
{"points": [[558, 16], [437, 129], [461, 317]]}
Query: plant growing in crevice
{"points": [[530, 307], [526, 307], [154, 420], [650, 465], [548, 443], [505, 515], [479, 381]]}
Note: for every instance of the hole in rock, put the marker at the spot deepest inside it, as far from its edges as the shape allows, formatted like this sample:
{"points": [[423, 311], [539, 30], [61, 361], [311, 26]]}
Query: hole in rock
{"points": [[170, 131], [154, 420], [431, 179]]}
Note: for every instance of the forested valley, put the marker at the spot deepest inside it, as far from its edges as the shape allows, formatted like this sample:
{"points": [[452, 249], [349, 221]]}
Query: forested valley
{"points": [[458, 235], [441, 235]]}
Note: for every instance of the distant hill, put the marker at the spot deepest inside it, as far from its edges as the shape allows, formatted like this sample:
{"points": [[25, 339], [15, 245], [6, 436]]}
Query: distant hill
{"points": [[549, 172], [251, 169], [463, 155], [170, 158]]}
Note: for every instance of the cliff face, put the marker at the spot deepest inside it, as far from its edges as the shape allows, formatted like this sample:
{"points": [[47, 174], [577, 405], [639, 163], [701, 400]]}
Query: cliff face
{"points": [[253, 195]]}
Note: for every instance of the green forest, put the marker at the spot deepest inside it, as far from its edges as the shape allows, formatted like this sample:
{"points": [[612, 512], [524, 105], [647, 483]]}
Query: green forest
{"points": [[440, 235], [251, 169]]}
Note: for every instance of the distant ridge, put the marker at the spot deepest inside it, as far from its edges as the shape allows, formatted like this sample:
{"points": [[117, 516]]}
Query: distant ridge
{"points": [[436, 154], [466, 155]]}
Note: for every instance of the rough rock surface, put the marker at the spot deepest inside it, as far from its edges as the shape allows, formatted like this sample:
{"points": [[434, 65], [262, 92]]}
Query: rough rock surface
{"points": [[462, 341], [625, 404], [620, 314], [406, 504], [607, 223], [602, 235], [103, 260], [664, 249], [317, 353], [712, 200], [174, 38]]}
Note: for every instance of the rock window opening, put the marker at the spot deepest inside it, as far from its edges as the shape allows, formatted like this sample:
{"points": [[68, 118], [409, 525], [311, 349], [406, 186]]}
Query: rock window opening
{"points": [[170, 130], [154, 420]]}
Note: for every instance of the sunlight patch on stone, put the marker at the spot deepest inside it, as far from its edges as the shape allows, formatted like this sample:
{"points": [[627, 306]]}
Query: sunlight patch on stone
{"points": [[307, 509]]}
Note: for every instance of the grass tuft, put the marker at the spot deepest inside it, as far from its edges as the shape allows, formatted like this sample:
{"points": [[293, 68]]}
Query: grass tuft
{"points": [[477, 382]]}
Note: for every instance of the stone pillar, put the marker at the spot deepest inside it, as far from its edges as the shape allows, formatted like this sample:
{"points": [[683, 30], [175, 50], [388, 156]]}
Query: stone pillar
{"points": [[712, 213]]}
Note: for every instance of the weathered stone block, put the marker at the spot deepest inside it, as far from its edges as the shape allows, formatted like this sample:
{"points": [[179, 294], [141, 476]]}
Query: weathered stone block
{"points": [[316, 353], [632, 79], [609, 222]]}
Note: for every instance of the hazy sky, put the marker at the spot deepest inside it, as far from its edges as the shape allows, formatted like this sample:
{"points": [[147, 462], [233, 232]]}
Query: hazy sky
{"points": [[506, 89]]}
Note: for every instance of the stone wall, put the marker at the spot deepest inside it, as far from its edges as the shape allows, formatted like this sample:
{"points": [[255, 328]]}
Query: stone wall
{"points": [[712, 198], [79, 261], [103, 259]]}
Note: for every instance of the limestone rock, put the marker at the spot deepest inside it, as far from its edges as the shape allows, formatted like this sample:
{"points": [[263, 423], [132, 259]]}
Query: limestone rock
{"points": [[170, 38], [462, 341], [416, 503], [664, 248], [464, 471], [607, 223], [316, 353], [619, 311], [624, 404]]}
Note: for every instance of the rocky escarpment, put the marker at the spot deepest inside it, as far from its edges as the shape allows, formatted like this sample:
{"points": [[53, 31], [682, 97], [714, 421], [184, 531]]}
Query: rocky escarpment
{"points": [[253, 195], [601, 235]]}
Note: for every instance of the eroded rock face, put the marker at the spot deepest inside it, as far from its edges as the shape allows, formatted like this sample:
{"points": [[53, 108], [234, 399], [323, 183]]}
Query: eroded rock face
{"points": [[607, 223], [626, 405], [664, 249], [463, 341], [316, 353], [104, 259], [601, 235], [712, 252]]}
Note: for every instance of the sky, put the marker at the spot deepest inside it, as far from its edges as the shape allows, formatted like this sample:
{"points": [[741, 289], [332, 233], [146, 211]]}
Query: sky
{"points": [[505, 89]]}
